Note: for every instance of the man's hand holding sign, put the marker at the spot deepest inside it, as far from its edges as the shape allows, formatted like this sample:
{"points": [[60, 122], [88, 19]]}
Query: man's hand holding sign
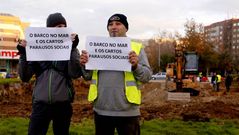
{"points": [[108, 54]]}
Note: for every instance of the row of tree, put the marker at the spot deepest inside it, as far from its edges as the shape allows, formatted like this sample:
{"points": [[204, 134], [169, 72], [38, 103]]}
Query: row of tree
{"points": [[161, 50]]}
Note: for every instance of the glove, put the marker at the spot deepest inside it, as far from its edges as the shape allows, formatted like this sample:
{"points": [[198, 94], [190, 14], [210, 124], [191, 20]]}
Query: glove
{"points": [[21, 49], [75, 42]]}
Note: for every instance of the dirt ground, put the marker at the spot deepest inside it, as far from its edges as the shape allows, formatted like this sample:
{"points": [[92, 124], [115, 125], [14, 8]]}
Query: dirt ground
{"points": [[207, 105]]}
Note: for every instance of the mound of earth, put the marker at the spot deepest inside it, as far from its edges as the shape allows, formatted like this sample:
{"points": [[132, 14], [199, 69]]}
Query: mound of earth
{"points": [[208, 104]]}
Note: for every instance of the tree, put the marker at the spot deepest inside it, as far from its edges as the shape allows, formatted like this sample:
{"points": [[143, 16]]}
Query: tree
{"points": [[194, 37], [194, 40], [160, 50], [152, 51], [165, 59]]}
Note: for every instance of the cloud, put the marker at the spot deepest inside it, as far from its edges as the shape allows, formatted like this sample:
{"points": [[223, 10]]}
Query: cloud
{"points": [[146, 17]]}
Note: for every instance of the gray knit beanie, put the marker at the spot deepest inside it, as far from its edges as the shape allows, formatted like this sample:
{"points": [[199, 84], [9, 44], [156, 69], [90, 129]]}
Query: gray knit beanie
{"points": [[55, 19]]}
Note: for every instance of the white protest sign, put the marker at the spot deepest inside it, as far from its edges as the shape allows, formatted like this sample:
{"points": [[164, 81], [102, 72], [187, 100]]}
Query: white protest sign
{"points": [[48, 44], [108, 53]]}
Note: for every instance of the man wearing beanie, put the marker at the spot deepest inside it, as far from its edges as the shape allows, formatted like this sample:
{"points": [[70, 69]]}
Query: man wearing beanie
{"points": [[116, 104], [53, 92]]}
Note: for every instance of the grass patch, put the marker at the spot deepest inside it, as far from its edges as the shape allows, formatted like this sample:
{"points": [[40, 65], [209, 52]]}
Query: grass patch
{"points": [[19, 126], [9, 80], [176, 127], [13, 126]]}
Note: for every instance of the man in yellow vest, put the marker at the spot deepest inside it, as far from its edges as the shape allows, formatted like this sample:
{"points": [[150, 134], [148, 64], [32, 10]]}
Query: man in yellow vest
{"points": [[115, 94], [218, 81]]}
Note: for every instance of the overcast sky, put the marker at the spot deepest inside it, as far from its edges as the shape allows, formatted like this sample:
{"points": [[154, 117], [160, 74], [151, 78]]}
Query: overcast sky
{"points": [[146, 17]]}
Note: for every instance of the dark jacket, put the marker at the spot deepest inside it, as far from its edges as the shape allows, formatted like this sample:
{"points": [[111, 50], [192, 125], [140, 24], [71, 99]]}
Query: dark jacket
{"points": [[53, 78], [213, 80], [228, 80]]}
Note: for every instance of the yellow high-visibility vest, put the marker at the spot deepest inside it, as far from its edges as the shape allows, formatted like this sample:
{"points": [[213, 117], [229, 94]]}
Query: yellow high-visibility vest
{"points": [[133, 94], [219, 78]]}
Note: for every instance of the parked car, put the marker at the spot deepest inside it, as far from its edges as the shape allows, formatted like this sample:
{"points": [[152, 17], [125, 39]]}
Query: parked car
{"points": [[158, 76], [3, 74], [11, 75]]}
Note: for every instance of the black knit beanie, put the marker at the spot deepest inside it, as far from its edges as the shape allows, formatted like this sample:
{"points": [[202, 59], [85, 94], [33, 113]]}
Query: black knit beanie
{"points": [[55, 19], [119, 17]]}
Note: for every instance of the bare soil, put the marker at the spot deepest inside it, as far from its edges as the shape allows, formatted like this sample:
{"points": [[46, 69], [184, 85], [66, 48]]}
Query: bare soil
{"points": [[207, 105]]}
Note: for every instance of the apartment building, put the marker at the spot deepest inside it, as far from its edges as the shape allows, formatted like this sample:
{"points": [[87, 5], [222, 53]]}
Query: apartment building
{"points": [[224, 36], [11, 30]]}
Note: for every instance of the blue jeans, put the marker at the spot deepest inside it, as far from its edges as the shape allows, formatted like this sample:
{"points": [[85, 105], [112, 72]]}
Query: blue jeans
{"points": [[106, 125], [42, 114]]}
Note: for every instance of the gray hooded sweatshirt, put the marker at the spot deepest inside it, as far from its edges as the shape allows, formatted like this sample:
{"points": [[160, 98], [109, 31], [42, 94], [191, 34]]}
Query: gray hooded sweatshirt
{"points": [[53, 78], [111, 99]]}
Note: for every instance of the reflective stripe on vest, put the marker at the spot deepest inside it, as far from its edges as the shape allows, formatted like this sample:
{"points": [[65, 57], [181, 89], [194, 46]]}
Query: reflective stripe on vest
{"points": [[92, 95], [133, 94]]}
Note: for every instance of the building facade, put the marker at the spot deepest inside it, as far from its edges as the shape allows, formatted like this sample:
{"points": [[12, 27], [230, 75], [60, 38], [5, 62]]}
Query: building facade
{"points": [[224, 36], [11, 31]]}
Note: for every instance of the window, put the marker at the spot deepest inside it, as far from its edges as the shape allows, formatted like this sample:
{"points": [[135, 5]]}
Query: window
{"points": [[3, 63], [9, 39]]}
